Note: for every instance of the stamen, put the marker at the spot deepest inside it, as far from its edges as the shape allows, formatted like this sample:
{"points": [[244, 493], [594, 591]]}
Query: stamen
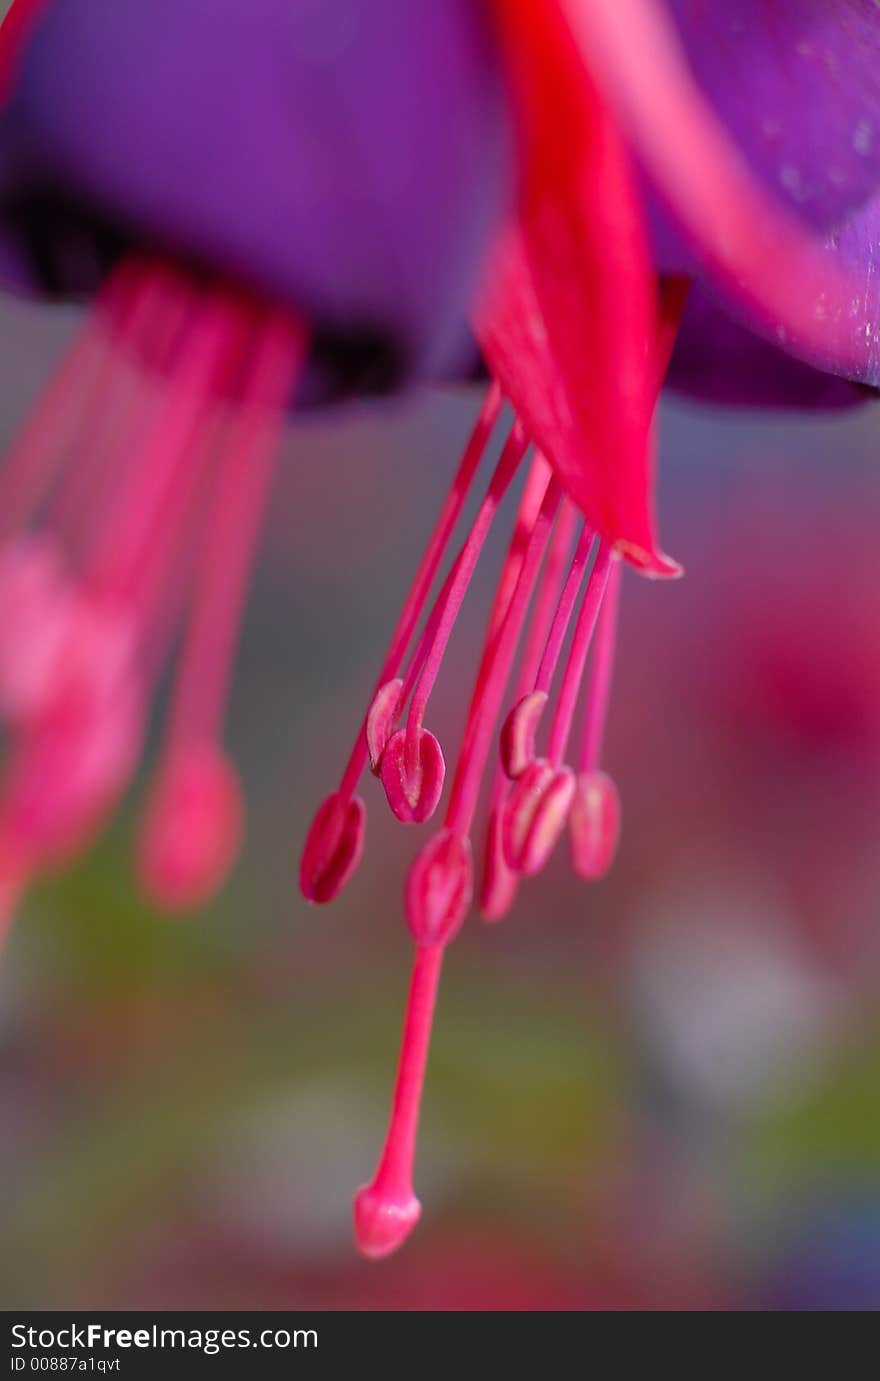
{"points": [[521, 725], [334, 847], [595, 811], [564, 611], [465, 566], [538, 806], [15, 871], [35, 601], [415, 767], [500, 883], [34, 456], [381, 719], [484, 707], [595, 825], [439, 889], [315, 847], [429, 565], [440, 882], [386, 1210], [577, 657], [210, 345], [193, 825], [413, 788], [494, 671], [602, 674], [68, 772]]}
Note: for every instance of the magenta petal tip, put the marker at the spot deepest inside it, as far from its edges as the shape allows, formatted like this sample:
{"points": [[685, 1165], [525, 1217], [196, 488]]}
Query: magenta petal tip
{"points": [[382, 1223], [656, 565], [333, 849]]}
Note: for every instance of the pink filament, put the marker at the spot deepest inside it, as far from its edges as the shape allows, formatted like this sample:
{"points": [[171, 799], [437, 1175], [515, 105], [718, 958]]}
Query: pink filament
{"points": [[494, 671], [564, 610], [539, 473], [233, 527], [599, 691], [577, 657], [538, 631], [428, 567], [463, 572], [108, 436], [211, 345]]}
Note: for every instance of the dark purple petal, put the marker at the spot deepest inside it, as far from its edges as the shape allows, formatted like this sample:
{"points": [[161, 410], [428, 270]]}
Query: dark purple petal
{"points": [[718, 361], [857, 243], [796, 85], [722, 361], [348, 157]]}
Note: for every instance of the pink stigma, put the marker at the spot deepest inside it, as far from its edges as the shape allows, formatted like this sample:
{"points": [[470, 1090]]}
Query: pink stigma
{"points": [[439, 889]]}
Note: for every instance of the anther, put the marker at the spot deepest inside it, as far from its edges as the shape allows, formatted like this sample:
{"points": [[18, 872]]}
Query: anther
{"points": [[500, 883], [519, 731], [334, 847], [381, 719], [594, 825], [439, 888]]}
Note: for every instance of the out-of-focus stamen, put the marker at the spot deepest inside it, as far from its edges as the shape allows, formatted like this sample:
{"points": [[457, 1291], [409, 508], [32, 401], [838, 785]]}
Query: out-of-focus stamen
{"points": [[193, 824], [520, 727], [34, 456], [386, 1210]]}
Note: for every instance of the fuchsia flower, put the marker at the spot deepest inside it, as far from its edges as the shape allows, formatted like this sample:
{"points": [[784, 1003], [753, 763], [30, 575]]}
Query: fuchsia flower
{"points": [[280, 202]]}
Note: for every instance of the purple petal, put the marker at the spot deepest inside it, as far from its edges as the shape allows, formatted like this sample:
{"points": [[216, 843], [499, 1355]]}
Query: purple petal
{"points": [[796, 85], [350, 158], [722, 361], [718, 361]]}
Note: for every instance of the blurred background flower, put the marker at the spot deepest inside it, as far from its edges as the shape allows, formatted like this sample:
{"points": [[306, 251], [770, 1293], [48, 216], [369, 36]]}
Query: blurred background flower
{"points": [[658, 1094]]}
